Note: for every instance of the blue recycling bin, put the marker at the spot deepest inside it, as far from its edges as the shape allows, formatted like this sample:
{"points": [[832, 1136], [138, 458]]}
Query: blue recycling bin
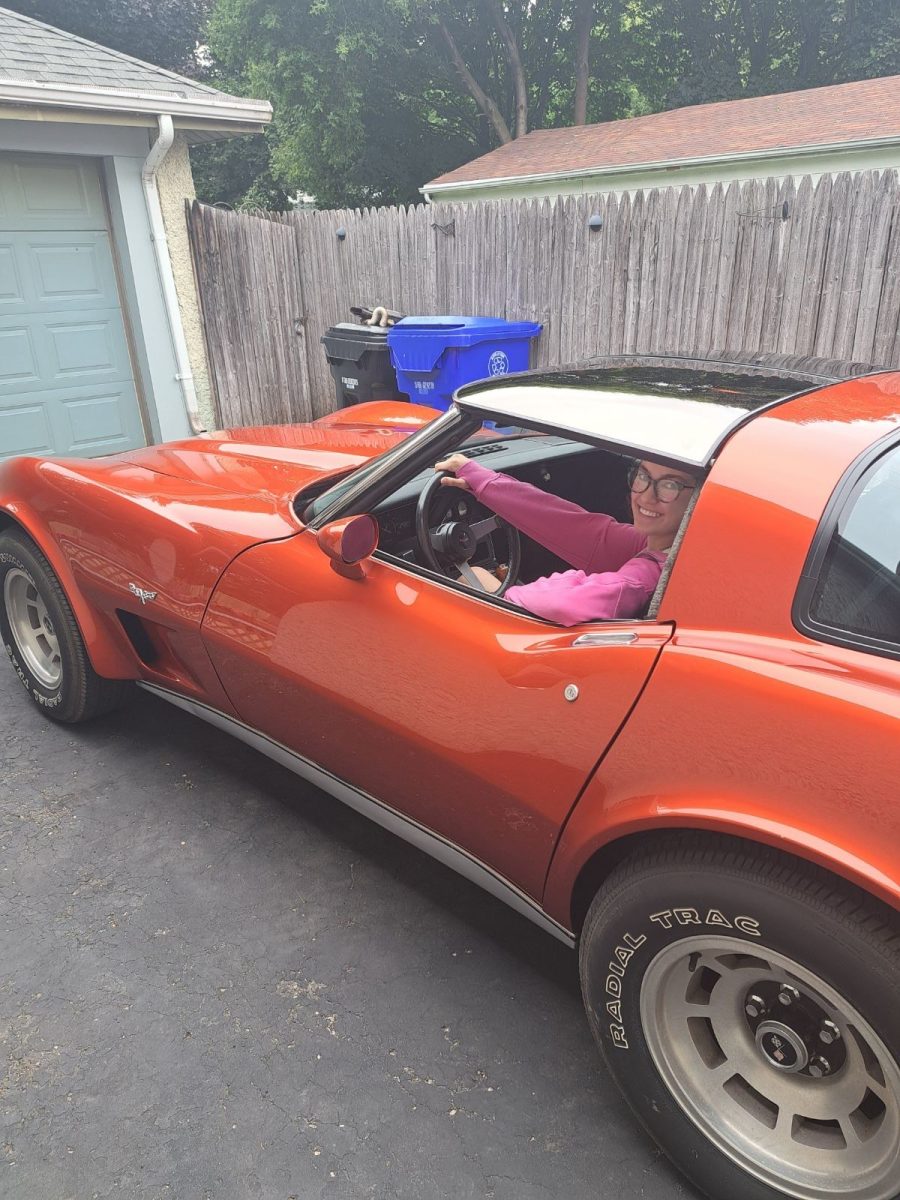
{"points": [[433, 356]]}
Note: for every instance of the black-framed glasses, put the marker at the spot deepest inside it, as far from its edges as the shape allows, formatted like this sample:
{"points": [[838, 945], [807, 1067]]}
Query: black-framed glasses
{"points": [[666, 490]]}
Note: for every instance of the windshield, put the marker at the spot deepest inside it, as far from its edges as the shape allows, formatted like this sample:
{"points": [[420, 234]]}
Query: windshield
{"points": [[418, 451], [415, 447]]}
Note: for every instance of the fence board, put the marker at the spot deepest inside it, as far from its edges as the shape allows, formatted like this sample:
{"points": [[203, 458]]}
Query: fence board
{"points": [[601, 261], [776, 267], [766, 241], [862, 199], [664, 244], [720, 298], [889, 310], [835, 257], [712, 253], [800, 220], [684, 333], [634, 244], [873, 271], [814, 269], [674, 305], [688, 270]]}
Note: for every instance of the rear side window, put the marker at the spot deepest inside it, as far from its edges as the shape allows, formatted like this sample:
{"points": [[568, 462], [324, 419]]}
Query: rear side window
{"points": [[856, 594]]}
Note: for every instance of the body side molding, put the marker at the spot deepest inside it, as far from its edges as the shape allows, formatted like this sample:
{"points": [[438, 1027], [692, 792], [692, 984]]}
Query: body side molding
{"points": [[411, 831]]}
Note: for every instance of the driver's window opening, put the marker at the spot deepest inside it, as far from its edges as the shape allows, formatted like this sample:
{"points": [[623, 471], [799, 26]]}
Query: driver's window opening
{"points": [[569, 532]]}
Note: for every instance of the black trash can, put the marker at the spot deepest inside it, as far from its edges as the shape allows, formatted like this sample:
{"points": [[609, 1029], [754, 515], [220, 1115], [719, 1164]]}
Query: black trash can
{"points": [[361, 364]]}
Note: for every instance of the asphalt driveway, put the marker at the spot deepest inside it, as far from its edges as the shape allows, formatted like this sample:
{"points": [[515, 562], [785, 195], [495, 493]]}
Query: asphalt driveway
{"points": [[218, 982]]}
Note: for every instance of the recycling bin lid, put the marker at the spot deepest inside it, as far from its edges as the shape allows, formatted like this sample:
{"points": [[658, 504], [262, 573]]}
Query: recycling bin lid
{"points": [[462, 331], [347, 331]]}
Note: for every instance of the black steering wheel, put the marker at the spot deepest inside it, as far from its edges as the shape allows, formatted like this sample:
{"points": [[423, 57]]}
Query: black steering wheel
{"points": [[453, 544]]}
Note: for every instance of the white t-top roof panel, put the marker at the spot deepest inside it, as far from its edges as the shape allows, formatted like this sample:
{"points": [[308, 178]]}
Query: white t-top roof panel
{"points": [[672, 411], [672, 427]]}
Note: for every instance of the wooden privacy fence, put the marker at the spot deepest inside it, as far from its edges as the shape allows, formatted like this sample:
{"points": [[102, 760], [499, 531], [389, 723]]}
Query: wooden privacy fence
{"points": [[790, 266]]}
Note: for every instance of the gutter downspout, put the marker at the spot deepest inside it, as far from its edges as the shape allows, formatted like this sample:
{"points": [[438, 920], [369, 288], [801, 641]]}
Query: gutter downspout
{"points": [[185, 377]]}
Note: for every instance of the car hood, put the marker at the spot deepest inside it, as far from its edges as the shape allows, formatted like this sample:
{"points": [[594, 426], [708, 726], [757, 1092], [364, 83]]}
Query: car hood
{"points": [[281, 460]]}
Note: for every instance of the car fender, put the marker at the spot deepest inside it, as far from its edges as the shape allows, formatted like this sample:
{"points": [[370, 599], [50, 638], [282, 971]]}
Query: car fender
{"points": [[774, 740], [109, 652], [590, 848]]}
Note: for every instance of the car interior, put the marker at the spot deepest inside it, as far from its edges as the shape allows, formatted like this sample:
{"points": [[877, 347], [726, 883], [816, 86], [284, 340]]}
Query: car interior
{"points": [[591, 477]]}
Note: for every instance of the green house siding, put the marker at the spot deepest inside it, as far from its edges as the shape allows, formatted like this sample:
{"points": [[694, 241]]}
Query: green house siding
{"points": [[630, 179]]}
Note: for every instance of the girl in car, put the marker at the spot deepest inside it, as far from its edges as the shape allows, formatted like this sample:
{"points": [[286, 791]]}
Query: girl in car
{"points": [[617, 566]]}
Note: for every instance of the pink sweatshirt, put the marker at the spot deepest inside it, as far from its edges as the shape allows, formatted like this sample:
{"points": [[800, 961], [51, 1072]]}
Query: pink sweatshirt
{"points": [[616, 574]]}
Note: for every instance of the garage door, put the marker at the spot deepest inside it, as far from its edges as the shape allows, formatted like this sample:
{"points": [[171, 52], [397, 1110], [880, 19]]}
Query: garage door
{"points": [[66, 383]]}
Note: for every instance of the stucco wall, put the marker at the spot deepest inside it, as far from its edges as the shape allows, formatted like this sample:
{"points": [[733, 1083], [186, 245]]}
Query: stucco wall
{"points": [[176, 184]]}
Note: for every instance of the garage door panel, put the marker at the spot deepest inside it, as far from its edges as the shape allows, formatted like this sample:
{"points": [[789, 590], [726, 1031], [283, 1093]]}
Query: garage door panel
{"points": [[12, 291], [56, 272], [80, 421], [62, 351], [92, 347], [72, 270], [25, 429], [96, 422], [18, 359], [39, 191]]}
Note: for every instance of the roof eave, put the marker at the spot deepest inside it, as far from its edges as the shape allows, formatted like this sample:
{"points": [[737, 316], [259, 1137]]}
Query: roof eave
{"points": [[431, 189], [226, 111]]}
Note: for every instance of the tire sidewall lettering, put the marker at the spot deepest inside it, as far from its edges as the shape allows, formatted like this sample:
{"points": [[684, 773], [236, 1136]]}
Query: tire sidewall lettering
{"points": [[41, 695], [644, 940]]}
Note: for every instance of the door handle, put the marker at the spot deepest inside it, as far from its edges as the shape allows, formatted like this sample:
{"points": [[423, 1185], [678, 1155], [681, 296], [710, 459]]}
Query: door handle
{"points": [[607, 637]]}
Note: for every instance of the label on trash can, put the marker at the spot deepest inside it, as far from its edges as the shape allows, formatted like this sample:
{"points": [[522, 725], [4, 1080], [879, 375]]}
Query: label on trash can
{"points": [[352, 384], [498, 363], [424, 385]]}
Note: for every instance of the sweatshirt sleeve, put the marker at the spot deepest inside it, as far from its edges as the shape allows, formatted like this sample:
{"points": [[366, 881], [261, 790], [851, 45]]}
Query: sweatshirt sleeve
{"points": [[589, 541], [573, 597]]}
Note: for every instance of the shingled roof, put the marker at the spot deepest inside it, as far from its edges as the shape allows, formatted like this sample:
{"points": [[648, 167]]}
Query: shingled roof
{"points": [[863, 112], [43, 65]]}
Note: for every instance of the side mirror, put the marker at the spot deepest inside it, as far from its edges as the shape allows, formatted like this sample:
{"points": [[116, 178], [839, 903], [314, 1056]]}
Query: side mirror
{"points": [[347, 542]]}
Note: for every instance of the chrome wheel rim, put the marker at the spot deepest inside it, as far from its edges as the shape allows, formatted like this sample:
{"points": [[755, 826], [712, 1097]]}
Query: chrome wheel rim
{"points": [[825, 1137], [32, 628]]}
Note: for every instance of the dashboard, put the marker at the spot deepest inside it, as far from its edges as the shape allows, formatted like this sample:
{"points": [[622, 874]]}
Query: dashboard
{"points": [[591, 477]]}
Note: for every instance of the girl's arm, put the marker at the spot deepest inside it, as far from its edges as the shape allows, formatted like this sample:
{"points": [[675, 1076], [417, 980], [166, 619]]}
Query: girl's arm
{"points": [[589, 541], [572, 597]]}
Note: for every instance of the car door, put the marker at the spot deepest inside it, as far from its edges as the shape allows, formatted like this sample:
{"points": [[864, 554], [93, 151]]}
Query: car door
{"points": [[478, 722]]}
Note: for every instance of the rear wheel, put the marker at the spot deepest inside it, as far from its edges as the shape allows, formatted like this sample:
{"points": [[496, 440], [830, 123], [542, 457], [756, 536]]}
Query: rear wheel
{"points": [[746, 1005], [43, 640]]}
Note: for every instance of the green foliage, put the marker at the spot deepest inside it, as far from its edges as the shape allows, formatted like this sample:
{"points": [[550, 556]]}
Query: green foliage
{"points": [[363, 110], [369, 106], [236, 173], [694, 51]]}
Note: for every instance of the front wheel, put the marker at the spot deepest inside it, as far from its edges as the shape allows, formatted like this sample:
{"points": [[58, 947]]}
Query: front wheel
{"points": [[746, 1005], [43, 640]]}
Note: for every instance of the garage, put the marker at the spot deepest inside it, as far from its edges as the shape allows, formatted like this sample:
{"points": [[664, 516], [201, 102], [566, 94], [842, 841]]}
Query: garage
{"points": [[66, 379], [101, 333]]}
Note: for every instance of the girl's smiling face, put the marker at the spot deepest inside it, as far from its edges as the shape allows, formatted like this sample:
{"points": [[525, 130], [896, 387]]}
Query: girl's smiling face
{"points": [[658, 519]]}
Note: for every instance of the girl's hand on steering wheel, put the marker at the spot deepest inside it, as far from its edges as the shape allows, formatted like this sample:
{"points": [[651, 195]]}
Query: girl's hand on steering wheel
{"points": [[453, 463]]}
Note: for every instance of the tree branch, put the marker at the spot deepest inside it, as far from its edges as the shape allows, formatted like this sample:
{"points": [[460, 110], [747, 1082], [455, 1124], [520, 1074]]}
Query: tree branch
{"points": [[544, 73], [582, 25], [495, 8], [478, 94]]}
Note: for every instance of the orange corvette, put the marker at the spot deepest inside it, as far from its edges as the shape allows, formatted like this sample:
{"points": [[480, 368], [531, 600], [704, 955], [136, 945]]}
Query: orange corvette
{"points": [[702, 798]]}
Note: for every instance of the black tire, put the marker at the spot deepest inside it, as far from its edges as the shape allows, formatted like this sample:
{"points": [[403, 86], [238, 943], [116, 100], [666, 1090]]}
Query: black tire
{"points": [[79, 693], [696, 913]]}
